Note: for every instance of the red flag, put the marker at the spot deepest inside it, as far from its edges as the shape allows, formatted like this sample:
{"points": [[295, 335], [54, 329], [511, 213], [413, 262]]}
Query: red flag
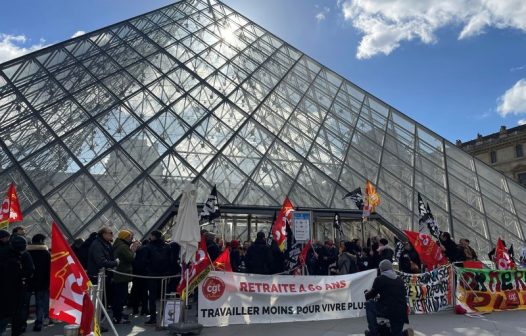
{"points": [[222, 263], [10, 208], [198, 270], [68, 284], [429, 252], [502, 258], [86, 323], [474, 264], [279, 227], [303, 255]]}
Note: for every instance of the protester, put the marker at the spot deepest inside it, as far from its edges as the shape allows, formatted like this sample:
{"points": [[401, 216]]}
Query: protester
{"points": [[26, 270], [327, 256], [83, 252], [19, 231], [101, 255], [278, 258], [347, 262], [390, 304], [124, 251], [467, 253], [211, 247], [76, 247], [39, 283], [409, 260], [259, 257], [385, 251], [374, 257], [157, 264], [235, 256], [139, 291], [449, 247]]}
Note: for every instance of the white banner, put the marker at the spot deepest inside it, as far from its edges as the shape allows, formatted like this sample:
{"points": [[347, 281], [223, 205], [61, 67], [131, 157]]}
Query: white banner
{"points": [[236, 298]]}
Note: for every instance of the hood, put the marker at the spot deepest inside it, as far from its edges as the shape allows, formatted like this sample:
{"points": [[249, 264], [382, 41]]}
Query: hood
{"points": [[37, 247]]}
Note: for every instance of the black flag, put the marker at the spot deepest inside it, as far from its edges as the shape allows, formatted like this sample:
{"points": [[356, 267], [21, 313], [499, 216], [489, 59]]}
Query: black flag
{"points": [[422, 212], [292, 252], [356, 196], [211, 207], [399, 247], [270, 237]]}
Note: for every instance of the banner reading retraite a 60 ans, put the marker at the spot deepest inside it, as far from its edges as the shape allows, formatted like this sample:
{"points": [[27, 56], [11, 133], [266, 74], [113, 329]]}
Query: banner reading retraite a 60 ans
{"points": [[234, 298]]}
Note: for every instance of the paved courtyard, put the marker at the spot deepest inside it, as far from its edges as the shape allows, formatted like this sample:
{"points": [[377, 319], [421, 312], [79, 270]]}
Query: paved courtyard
{"points": [[444, 323]]}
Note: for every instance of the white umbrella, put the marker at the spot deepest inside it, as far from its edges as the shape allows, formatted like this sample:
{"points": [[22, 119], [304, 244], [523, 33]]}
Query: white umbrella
{"points": [[187, 233]]}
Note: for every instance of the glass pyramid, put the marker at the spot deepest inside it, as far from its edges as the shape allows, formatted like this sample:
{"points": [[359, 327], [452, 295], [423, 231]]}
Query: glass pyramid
{"points": [[106, 128]]}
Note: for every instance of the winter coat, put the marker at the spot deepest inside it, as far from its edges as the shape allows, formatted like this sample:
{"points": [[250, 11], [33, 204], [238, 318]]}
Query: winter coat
{"points": [[451, 250], [392, 299], [42, 263], [259, 258], [11, 282], [405, 261], [100, 256], [235, 259], [347, 263], [83, 252], [213, 249], [140, 261], [158, 258], [278, 259], [121, 251], [386, 253]]}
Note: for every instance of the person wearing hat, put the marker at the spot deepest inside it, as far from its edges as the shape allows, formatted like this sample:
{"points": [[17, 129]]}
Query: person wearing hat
{"points": [[387, 298], [122, 250]]}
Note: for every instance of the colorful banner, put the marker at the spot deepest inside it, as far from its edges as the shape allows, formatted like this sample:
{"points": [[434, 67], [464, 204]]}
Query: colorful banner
{"points": [[235, 298], [485, 290], [431, 291]]}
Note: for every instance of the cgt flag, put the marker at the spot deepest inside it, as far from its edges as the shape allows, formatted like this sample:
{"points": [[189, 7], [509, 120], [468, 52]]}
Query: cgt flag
{"points": [[429, 252], [86, 323], [68, 281], [279, 228], [11, 212], [211, 207], [502, 257], [198, 270], [371, 196], [222, 263]]}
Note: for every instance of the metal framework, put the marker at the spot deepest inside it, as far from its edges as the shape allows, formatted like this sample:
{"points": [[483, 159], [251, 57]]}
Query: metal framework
{"points": [[106, 128]]}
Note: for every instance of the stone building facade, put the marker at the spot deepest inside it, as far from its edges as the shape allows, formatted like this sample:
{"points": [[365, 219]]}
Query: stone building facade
{"points": [[503, 151]]}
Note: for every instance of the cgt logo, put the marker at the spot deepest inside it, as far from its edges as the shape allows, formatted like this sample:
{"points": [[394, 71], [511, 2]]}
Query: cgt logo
{"points": [[213, 288]]}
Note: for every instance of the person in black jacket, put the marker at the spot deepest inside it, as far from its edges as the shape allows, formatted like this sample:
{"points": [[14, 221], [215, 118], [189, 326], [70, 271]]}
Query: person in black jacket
{"points": [[390, 304], [101, 255], [39, 283], [139, 291], [235, 256], [157, 264], [211, 247], [83, 251], [259, 258], [409, 260], [449, 247], [27, 268], [278, 259]]}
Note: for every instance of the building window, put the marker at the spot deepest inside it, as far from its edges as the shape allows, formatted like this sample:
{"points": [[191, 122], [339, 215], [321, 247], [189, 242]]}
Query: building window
{"points": [[493, 156], [522, 178], [518, 150]]}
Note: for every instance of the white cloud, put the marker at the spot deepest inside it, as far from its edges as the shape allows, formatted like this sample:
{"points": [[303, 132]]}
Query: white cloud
{"points": [[323, 14], [513, 101], [385, 24], [78, 33], [521, 122], [12, 46]]}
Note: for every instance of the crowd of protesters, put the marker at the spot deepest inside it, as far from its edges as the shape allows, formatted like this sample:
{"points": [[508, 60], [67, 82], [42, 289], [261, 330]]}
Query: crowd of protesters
{"points": [[25, 266]]}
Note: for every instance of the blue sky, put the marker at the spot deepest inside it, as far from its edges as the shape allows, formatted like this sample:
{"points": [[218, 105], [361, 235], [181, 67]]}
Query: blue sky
{"points": [[456, 66]]}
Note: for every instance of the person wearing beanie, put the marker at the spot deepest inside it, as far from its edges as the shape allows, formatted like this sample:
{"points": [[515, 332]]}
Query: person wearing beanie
{"points": [[387, 298], [123, 252]]}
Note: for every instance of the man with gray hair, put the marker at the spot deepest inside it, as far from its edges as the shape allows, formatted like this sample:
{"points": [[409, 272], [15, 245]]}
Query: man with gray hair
{"points": [[391, 302]]}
